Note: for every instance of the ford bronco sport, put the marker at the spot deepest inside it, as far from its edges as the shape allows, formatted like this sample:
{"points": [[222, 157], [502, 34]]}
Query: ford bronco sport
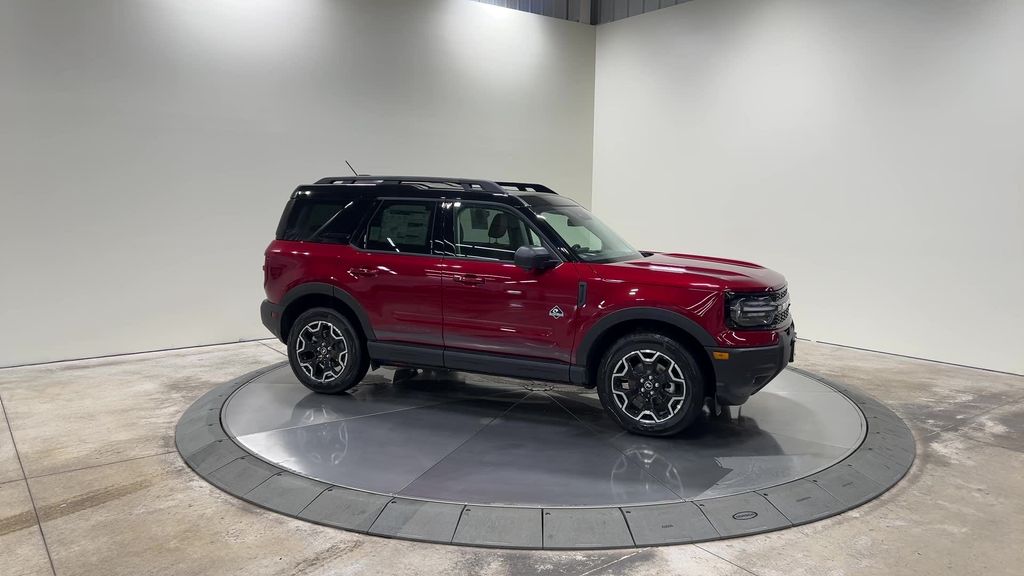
{"points": [[512, 279]]}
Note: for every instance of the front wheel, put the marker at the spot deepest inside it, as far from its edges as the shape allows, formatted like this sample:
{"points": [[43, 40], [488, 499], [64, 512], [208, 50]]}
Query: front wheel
{"points": [[650, 385], [325, 352]]}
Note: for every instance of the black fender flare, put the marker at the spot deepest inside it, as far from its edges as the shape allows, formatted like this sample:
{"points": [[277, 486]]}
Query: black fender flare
{"points": [[333, 291], [639, 313]]}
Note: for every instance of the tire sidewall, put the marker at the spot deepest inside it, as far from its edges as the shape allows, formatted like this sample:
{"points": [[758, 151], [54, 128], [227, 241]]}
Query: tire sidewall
{"points": [[354, 368], [694, 399]]}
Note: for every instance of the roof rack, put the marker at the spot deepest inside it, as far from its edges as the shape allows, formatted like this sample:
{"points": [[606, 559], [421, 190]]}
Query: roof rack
{"points": [[466, 183], [527, 187]]}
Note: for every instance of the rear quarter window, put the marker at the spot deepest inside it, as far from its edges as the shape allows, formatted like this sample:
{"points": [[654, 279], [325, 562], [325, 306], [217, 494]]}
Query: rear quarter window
{"points": [[329, 221]]}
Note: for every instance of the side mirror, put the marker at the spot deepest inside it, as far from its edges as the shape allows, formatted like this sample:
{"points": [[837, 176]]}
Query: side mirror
{"points": [[534, 258]]}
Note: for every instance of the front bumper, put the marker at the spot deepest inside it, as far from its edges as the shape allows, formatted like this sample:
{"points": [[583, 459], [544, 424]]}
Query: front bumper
{"points": [[741, 372], [271, 314]]}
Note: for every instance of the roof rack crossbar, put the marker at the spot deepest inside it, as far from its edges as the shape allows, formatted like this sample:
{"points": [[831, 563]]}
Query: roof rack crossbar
{"points": [[526, 187], [465, 183]]}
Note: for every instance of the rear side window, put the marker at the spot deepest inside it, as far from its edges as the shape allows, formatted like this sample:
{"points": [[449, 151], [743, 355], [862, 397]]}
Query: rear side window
{"points": [[401, 226], [329, 220]]}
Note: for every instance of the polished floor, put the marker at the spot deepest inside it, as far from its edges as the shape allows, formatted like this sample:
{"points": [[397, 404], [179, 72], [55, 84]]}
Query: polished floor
{"points": [[452, 437], [91, 484]]}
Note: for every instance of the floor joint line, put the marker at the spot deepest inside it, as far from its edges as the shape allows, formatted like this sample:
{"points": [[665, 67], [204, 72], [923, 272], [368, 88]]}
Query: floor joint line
{"points": [[137, 353], [28, 488], [944, 363], [463, 443], [723, 559], [318, 494], [612, 563], [986, 443], [3, 482], [91, 466], [285, 354], [971, 418], [616, 448], [628, 527]]}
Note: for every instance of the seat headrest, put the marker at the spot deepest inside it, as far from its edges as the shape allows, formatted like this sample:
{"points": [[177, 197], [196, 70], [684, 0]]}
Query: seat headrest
{"points": [[498, 227]]}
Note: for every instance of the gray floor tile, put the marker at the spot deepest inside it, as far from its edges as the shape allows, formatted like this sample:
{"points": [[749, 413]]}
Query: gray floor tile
{"points": [[877, 467], [746, 513], [585, 528], [500, 526], [803, 501], [847, 485], [190, 440], [241, 475], [349, 509], [668, 524], [286, 492], [418, 520], [214, 455]]}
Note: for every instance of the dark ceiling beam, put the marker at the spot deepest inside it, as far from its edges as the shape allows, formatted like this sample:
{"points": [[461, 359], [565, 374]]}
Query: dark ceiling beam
{"points": [[585, 11]]}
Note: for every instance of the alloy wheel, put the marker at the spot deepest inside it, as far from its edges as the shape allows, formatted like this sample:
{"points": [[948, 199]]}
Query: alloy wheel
{"points": [[322, 351], [648, 386]]}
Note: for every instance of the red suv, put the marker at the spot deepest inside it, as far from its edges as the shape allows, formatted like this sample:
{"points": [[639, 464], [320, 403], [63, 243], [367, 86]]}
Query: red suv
{"points": [[512, 279]]}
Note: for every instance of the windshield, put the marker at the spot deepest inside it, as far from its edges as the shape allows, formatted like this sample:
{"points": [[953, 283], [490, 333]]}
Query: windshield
{"points": [[591, 239]]}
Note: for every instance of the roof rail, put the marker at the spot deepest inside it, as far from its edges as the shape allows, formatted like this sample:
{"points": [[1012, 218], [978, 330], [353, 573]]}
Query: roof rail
{"points": [[527, 187], [466, 183]]}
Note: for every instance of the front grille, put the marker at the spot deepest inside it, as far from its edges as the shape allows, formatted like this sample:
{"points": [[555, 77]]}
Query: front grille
{"points": [[782, 315], [779, 319]]}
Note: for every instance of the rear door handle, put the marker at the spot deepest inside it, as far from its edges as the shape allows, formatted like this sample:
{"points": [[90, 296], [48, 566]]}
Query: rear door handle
{"points": [[365, 272], [470, 279]]}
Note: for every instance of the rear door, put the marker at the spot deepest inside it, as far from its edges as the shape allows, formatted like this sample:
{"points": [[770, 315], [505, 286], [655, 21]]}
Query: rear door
{"points": [[395, 274], [490, 304]]}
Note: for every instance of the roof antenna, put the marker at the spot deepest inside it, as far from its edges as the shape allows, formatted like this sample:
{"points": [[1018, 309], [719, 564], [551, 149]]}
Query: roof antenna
{"points": [[351, 168]]}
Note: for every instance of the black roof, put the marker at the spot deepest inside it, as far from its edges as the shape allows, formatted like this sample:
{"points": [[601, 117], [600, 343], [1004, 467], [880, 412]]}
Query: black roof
{"points": [[426, 187]]}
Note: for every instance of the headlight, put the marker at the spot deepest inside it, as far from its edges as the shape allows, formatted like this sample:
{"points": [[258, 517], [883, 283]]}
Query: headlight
{"points": [[757, 311]]}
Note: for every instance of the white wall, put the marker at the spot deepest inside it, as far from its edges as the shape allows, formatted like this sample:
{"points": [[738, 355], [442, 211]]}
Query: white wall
{"points": [[148, 147], [872, 151]]}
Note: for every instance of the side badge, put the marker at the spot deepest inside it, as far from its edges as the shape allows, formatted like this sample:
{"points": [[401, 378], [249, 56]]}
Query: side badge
{"points": [[556, 313]]}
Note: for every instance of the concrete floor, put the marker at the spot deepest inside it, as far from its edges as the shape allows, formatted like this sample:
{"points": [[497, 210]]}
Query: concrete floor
{"points": [[90, 483]]}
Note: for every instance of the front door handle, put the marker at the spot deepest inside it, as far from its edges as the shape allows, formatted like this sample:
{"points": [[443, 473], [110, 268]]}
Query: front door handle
{"points": [[469, 279], [364, 272]]}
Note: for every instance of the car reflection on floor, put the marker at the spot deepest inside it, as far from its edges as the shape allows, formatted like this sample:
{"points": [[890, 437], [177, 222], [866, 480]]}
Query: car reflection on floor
{"points": [[468, 438]]}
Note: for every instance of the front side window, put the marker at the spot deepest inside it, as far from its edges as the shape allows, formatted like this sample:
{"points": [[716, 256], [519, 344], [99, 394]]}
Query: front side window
{"points": [[490, 233], [401, 226], [591, 239]]}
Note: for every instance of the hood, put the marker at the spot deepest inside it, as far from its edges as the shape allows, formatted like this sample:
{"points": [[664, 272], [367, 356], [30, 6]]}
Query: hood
{"points": [[694, 271]]}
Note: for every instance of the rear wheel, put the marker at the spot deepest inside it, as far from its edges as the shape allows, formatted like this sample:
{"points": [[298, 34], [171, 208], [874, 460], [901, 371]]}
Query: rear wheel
{"points": [[650, 385], [325, 352]]}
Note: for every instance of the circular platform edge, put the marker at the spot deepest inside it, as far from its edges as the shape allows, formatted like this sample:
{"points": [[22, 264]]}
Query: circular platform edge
{"points": [[880, 462]]}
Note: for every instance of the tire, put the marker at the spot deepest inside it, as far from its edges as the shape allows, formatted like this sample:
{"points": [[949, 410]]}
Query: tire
{"points": [[325, 352], [650, 385]]}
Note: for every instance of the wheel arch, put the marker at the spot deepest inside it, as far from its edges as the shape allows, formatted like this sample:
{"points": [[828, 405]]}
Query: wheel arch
{"points": [[607, 331], [320, 294]]}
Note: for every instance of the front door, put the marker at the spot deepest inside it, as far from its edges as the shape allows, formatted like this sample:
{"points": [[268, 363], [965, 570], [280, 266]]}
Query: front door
{"points": [[493, 306]]}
